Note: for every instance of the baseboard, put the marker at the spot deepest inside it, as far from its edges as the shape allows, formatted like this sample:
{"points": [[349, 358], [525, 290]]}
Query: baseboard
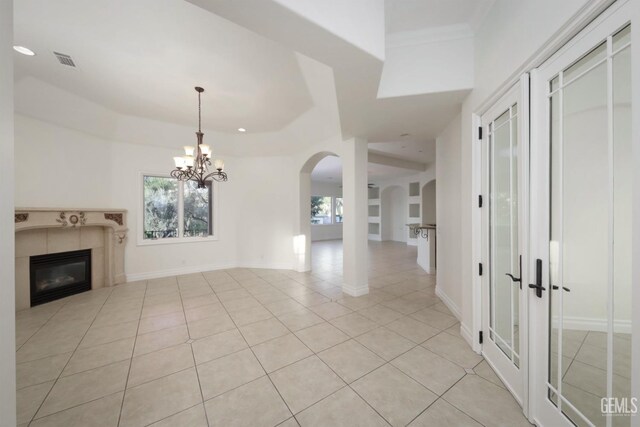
{"points": [[467, 335], [134, 277], [355, 291], [448, 302], [595, 324]]}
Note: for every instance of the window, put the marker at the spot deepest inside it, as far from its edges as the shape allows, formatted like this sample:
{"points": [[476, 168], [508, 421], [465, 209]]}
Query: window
{"points": [[160, 207], [197, 210], [174, 209], [339, 210], [321, 210], [326, 210]]}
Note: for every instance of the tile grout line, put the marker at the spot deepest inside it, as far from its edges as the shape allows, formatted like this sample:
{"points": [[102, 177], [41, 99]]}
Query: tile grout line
{"points": [[195, 366], [66, 364], [256, 357], [133, 351]]}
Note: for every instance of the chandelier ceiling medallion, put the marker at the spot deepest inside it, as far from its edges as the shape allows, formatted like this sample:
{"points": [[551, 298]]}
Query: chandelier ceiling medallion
{"points": [[194, 165]]}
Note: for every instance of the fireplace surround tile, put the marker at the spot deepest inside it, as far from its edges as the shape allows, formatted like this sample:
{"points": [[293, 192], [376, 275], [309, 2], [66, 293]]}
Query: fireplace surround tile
{"points": [[91, 237], [31, 242], [62, 240], [44, 232]]}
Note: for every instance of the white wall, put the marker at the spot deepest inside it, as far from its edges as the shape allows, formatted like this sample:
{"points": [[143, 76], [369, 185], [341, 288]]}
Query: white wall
{"points": [[449, 238], [512, 33], [360, 22], [415, 67], [329, 231], [7, 233], [60, 167], [429, 203]]}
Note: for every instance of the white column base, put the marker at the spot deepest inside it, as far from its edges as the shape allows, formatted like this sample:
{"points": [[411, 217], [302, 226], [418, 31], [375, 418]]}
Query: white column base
{"points": [[355, 291]]}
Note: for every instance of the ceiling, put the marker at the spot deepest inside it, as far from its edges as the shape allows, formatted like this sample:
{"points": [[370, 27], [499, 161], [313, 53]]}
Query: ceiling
{"points": [[415, 15], [144, 57], [329, 169]]}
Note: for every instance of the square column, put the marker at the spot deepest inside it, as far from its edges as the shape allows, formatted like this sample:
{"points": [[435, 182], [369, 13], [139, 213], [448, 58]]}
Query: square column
{"points": [[7, 218], [355, 225]]}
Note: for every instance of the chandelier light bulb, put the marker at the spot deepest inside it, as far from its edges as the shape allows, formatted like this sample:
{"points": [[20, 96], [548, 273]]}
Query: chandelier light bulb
{"points": [[188, 161], [205, 150], [219, 164], [189, 150], [179, 161]]}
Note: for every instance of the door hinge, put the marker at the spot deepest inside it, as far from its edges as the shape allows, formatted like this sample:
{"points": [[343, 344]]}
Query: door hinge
{"points": [[479, 200], [480, 269], [480, 133], [480, 337]]}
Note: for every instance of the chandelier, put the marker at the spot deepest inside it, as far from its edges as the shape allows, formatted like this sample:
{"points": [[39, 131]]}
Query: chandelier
{"points": [[194, 165]]}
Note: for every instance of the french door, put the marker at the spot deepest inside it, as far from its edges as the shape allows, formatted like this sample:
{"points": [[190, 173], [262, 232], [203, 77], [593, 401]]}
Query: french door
{"points": [[505, 169], [580, 261]]}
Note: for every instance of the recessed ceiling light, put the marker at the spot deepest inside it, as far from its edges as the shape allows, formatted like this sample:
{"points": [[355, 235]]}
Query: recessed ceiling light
{"points": [[24, 50], [242, 130]]}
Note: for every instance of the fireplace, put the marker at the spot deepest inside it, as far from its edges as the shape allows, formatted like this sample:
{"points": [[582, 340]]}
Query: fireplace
{"points": [[58, 275]]}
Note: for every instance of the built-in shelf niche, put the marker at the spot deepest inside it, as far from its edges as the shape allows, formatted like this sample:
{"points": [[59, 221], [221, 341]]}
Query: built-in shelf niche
{"points": [[414, 189], [414, 210], [374, 210], [374, 193], [374, 228]]}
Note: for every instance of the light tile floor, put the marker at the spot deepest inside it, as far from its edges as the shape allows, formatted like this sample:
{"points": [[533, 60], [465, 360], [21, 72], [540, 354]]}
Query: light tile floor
{"points": [[252, 347]]}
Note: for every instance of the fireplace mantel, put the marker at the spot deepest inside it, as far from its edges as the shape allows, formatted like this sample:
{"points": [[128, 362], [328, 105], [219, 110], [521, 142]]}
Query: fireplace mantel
{"points": [[53, 222]]}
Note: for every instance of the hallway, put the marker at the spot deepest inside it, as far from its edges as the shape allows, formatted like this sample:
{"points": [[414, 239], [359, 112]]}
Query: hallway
{"points": [[258, 347]]}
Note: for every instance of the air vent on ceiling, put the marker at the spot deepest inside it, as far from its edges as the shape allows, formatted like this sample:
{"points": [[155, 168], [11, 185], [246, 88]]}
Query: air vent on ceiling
{"points": [[64, 59]]}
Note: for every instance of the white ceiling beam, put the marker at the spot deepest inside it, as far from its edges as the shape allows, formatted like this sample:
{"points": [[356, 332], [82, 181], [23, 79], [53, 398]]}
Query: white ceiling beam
{"points": [[381, 159]]}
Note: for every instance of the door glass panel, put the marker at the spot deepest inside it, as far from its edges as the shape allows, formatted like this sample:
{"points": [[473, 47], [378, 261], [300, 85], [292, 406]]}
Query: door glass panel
{"points": [[554, 270], [621, 38], [587, 61], [503, 222], [590, 236], [622, 201]]}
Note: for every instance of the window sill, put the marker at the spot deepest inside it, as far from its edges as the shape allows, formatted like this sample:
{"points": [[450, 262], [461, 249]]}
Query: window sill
{"points": [[325, 225], [175, 240]]}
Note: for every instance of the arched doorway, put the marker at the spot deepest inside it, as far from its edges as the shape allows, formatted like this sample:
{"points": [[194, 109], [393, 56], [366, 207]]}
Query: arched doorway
{"points": [[317, 216]]}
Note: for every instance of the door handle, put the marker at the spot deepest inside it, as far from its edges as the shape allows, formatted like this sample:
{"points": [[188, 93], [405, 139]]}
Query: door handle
{"points": [[555, 288], [538, 285], [517, 279]]}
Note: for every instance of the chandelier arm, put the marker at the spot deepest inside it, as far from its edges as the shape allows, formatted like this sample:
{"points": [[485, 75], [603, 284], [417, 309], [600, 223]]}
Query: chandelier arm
{"points": [[217, 176]]}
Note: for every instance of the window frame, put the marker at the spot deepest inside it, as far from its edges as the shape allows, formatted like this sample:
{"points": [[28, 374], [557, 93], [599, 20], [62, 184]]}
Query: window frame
{"points": [[335, 210], [180, 239], [332, 210]]}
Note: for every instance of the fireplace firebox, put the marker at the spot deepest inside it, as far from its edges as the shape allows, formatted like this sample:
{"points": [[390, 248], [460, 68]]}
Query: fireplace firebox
{"points": [[55, 276]]}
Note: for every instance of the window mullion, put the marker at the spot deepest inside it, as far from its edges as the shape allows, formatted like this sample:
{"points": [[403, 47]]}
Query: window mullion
{"points": [[181, 209]]}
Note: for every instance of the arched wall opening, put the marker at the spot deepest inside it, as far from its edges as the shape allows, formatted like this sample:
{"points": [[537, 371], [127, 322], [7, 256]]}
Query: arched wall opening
{"points": [[394, 201], [303, 239]]}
